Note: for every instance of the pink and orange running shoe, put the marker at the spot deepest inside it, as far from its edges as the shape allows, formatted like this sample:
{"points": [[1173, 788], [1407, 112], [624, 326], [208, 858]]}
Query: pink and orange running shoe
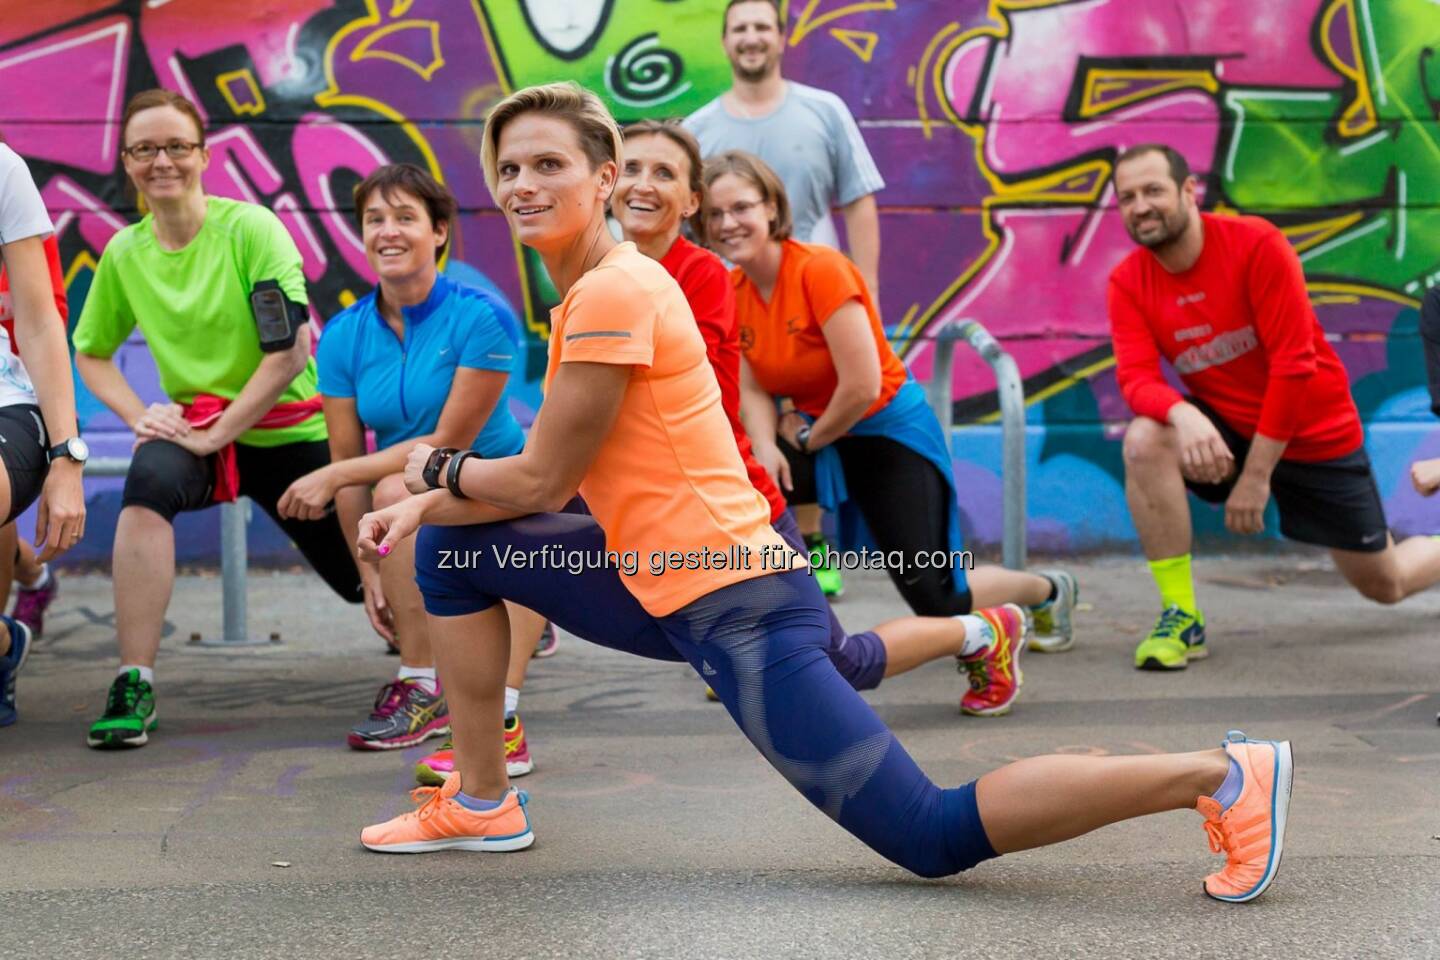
{"points": [[995, 672], [434, 770], [440, 822], [1251, 831]]}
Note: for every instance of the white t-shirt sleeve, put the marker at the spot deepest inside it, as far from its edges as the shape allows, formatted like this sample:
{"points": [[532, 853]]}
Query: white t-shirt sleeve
{"points": [[22, 214]]}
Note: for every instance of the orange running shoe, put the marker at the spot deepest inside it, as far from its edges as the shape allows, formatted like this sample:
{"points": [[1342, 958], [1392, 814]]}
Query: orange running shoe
{"points": [[440, 822], [1251, 831], [995, 672]]}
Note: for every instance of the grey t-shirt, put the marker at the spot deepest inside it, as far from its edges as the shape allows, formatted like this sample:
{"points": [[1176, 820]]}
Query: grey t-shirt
{"points": [[21, 212], [814, 145]]}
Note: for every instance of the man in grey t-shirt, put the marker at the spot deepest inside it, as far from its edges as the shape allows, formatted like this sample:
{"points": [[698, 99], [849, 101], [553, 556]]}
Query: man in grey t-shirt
{"points": [[807, 135]]}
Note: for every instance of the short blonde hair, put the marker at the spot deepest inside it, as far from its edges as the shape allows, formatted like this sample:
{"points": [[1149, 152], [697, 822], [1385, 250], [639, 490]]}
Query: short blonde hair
{"points": [[599, 135], [758, 174]]}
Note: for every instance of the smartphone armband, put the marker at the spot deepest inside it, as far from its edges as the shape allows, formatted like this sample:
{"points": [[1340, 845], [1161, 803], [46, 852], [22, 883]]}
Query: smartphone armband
{"points": [[277, 317]]}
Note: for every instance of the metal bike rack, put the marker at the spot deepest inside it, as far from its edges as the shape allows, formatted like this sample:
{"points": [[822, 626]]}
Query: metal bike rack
{"points": [[1011, 390], [233, 560]]}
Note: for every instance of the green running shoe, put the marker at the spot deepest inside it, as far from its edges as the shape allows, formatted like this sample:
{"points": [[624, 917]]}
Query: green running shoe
{"points": [[831, 583], [129, 714], [1176, 639], [1055, 619]]}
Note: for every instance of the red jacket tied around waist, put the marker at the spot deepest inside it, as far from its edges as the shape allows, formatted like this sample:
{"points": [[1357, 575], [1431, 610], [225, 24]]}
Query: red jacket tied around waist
{"points": [[207, 409]]}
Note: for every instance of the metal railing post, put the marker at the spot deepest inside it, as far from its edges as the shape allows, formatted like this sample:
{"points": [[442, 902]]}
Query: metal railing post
{"points": [[1011, 390], [234, 559]]}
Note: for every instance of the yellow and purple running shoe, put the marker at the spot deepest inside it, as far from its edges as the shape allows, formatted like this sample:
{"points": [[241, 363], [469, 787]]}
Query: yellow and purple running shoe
{"points": [[435, 769]]}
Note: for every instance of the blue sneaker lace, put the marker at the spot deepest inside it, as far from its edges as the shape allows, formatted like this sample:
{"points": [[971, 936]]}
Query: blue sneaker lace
{"points": [[1172, 623]]}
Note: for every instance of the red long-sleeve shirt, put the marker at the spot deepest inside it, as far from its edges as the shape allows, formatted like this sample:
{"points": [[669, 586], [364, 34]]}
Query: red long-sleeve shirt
{"points": [[57, 285], [1238, 329], [706, 285]]}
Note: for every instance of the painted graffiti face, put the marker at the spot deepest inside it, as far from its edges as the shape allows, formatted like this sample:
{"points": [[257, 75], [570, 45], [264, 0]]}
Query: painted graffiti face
{"points": [[400, 240], [737, 219], [164, 178], [1155, 210], [546, 186], [653, 193], [753, 40]]}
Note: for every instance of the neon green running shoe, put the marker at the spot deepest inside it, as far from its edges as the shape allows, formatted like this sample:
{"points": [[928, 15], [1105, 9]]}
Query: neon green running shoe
{"points": [[129, 714], [828, 577], [1176, 639]]}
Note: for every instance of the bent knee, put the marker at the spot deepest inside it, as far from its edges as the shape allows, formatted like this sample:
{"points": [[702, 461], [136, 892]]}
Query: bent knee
{"points": [[1386, 589], [1148, 442], [390, 491]]}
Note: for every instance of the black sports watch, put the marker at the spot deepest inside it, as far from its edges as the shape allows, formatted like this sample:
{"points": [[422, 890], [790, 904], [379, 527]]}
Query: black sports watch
{"points": [[452, 472], [435, 466], [802, 438], [74, 448]]}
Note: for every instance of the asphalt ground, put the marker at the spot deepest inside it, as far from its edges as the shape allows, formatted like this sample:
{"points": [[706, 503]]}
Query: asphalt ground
{"points": [[661, 833]]}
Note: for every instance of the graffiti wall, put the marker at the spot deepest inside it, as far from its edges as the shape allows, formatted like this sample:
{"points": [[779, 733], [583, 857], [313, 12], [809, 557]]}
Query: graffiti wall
{"points": [[994, 124]]}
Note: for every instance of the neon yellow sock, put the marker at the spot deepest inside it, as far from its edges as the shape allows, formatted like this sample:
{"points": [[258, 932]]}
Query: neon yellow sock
{"points": [[1177, 586]]}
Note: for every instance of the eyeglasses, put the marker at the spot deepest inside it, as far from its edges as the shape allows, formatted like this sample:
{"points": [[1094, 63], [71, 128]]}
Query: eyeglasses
{"points": [[175, 150], [717, 214]]}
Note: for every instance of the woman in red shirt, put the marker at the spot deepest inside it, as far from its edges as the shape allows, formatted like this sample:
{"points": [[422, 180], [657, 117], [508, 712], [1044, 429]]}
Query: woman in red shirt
{"points": [[862, 428], [658, 189]]}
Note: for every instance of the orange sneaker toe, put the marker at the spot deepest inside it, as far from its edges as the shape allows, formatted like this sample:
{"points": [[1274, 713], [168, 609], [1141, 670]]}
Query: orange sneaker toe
{"points": [[440, 822]]}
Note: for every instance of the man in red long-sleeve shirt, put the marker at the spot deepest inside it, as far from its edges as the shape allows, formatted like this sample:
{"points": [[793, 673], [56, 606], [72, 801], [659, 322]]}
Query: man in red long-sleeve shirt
{"points": [[1268, 409]]}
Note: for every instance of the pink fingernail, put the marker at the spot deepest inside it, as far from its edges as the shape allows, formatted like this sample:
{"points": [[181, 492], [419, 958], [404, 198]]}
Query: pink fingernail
{"points": [[384, 549]]}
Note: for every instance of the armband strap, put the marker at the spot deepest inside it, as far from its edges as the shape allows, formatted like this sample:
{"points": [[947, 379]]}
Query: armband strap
{"points": [[452, 474]]}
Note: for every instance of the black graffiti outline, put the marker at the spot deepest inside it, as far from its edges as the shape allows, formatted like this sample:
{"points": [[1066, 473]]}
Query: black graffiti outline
{"points": [[579, 52]]}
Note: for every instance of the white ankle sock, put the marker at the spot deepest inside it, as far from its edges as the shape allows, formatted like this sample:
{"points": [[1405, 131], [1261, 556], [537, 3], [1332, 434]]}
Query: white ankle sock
{"points": [[41, 582], [146, 673], [512, 701], [424, 675], [978, 634]]}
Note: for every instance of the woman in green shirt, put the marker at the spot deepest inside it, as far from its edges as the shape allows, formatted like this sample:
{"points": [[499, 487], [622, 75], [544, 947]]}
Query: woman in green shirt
{"points": [[183, 275]]}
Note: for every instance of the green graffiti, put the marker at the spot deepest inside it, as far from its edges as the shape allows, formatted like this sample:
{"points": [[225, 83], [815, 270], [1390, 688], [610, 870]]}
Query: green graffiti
{"points": [[646, 58], [1364, 161]]}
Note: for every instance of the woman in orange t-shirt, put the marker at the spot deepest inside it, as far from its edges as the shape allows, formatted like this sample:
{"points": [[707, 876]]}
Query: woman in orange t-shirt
{"points": [[632, 420], [862, 428]]}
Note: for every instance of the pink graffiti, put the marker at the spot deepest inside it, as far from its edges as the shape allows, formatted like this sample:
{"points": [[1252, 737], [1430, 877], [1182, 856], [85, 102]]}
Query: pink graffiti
{"points": [[171, 30], [77, 74], [321, 146], [1048, 271], [71, 204]]}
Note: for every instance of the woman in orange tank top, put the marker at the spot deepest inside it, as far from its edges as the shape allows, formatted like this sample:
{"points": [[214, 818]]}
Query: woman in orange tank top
{"points": [[679, 560], [862, 429]]}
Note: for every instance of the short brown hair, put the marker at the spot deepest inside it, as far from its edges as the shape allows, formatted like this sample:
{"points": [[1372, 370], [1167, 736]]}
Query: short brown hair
{"points": [[779, 14], [1179, 166], [685, 140], [757, 172], [160, 97], [567, 100], [439, 201]]}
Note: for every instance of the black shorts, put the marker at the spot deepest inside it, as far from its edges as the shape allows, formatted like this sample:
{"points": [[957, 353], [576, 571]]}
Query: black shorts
{"points": [[166, 478], [1330, 503], [25, 448]]}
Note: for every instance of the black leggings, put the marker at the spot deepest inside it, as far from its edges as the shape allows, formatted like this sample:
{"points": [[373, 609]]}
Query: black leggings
{"points": [[168, 479], [906, 504]]}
